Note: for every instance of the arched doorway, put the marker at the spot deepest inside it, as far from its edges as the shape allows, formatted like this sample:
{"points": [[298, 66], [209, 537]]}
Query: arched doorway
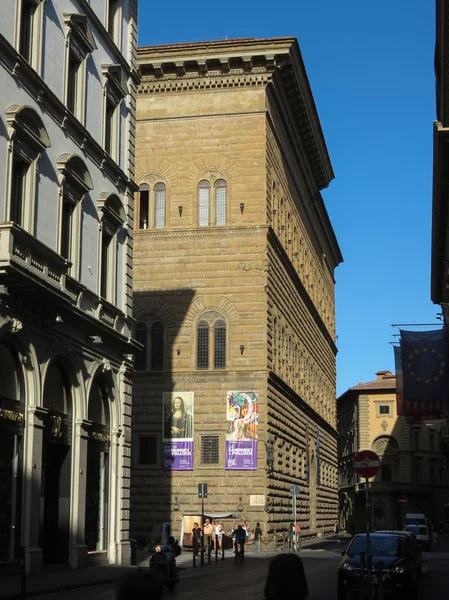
{"points": [[97, 481], [56, 467], [12, 420]]}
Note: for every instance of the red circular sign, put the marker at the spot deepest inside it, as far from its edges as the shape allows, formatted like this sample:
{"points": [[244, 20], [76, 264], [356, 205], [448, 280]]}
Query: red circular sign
{"points": [[366, 463], [402, 499]]}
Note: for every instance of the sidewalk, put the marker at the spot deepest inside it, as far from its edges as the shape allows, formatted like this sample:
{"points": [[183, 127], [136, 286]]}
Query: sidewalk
{"points": [[56, 579]]}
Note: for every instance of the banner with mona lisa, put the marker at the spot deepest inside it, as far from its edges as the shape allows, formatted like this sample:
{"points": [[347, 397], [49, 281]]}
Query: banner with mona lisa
{"points": [[242, 414], [178, 431]]}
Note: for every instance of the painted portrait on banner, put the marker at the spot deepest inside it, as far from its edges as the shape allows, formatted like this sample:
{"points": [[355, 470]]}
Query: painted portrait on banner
{"points": [[242, 415], [178, 431]]}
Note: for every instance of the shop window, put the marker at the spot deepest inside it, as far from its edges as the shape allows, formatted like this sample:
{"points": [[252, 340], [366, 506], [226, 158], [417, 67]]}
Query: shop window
{"points": [[29, 139], [147, 450], [210, 449]]}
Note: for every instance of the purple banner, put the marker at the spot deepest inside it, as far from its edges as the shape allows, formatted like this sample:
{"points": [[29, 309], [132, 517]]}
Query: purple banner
{"points": [[241, 455], [178, 456]]}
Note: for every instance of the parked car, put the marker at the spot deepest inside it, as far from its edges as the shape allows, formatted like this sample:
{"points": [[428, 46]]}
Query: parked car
{"points": [[415, 544], [396, 552], [423, 535]]}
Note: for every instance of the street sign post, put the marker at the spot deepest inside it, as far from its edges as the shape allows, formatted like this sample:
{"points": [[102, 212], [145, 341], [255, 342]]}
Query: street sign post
{"points": [[295, 491], [366, 464], [202, 493]]}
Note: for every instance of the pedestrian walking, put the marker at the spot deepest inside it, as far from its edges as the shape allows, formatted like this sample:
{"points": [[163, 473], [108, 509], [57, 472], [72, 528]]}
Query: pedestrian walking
{"points": [[208, 533], [257, 537], [291, 536], [286, 578], [195, 538]]}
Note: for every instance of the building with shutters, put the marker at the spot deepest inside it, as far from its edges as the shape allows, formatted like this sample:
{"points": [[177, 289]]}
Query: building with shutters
{"points": [[233, 290], [67, 122]]}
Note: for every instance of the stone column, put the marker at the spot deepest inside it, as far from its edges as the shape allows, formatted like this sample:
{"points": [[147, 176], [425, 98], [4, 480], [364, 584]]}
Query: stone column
{"points": [[78, 550], [32, 475]]}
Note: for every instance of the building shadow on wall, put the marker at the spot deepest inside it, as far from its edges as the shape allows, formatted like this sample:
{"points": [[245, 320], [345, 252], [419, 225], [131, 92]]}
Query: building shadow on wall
{"points": [[159, 366]]}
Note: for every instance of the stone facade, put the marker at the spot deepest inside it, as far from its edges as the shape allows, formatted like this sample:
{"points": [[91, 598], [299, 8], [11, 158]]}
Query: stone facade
{"points": [[233, 243], [412, 463], [67, 127]]}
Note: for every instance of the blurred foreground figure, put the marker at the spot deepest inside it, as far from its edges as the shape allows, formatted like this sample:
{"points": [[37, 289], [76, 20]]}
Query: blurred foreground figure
{"points": [[286, 579], [142, 585]]}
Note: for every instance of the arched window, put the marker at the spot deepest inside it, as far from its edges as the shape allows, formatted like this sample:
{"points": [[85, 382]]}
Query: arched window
{"points": [[152, 206], [141, 355], [203, 203], [220, 202], [220, 345], [150, 333], [157, 345], [160, 192], [203, 345], [57, 390], [29, 139]]}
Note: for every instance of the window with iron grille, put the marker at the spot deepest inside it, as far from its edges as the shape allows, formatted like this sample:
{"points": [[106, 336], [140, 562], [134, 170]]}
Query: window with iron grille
{"points": [[220, 202], [203, 203], [150, 333], [203, 346], [147, 450], [220, 345], [160, 193], [210, 449]]}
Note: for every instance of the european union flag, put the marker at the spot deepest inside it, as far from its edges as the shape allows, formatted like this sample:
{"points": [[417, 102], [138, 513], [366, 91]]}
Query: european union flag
{"points": [[425, 374]]}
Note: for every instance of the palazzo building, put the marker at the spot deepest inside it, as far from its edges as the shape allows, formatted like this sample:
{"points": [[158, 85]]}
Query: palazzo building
{"points": [[234, 264], [413, 466], [67, 122]]}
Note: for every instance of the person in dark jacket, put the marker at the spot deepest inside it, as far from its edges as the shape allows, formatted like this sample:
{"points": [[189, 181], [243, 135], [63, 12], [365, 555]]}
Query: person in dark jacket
{"points": [[286, 578]]}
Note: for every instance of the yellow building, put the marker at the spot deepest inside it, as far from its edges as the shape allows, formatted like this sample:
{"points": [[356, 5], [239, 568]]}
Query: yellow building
{"points": [[412, 464], [234, 259]]}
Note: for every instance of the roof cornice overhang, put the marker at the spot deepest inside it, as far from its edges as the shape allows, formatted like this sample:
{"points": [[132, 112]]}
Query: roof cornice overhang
{"points": [[242, 63], [440, 216]]}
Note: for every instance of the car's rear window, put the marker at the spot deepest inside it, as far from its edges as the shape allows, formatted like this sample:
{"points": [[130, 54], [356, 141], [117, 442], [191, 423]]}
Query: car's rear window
{"points": [[417, 529], [379, 546]]}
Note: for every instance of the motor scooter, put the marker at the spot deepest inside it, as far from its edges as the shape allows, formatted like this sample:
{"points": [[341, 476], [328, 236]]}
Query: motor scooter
{"points": [[163, 560]]}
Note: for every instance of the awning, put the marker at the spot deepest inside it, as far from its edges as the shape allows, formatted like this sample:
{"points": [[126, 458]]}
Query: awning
{"points": [[213, 515]]}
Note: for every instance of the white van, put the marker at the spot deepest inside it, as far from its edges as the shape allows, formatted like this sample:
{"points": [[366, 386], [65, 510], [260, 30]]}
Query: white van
{"points": [[415, 519]]}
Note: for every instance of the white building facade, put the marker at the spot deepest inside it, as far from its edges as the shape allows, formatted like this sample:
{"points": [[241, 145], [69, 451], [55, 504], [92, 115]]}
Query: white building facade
{"points": [[67, 120]]}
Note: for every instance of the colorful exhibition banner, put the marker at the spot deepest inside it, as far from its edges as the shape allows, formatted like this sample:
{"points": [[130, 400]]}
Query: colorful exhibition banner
{"points": [[178, 431], [242, 416]]}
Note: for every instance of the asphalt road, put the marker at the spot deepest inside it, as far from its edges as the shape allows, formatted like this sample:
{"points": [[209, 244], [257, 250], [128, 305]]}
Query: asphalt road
{"points": [[224, 579]]}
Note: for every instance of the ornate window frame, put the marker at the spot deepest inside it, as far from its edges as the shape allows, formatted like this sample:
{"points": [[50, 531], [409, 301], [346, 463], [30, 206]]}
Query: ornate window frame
{"points": [[79, 43], [28, 139], [212, 180], [112, 217], [115, 89], [113, 20], [74, 183], [148, 185], [35, 29]]}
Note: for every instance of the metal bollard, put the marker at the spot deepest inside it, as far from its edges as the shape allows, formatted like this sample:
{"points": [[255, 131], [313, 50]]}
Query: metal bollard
{"points": [[216, 548], [222, 550], [369, 568], [362, 576], [194, 558], [380, 580]]}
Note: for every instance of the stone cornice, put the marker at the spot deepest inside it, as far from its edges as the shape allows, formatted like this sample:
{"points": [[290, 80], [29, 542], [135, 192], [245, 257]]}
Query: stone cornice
{"points": [[226, 231], [29, 80], [141, 378], [246, 62]]}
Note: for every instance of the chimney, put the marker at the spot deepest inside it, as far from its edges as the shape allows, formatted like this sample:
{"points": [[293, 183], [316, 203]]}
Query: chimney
{"points": [[383, 375]]}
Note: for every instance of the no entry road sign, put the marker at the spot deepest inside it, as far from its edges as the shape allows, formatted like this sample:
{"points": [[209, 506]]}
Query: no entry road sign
{"points": [[402, 499], [366, 463]]}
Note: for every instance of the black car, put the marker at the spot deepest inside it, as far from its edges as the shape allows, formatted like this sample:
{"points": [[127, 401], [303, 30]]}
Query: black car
{"points": [[397, 553], [416, 546]]}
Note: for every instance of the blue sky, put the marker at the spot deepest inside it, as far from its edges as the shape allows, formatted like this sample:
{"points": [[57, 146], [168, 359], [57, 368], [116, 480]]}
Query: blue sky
{"points": [[370, 66]]}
